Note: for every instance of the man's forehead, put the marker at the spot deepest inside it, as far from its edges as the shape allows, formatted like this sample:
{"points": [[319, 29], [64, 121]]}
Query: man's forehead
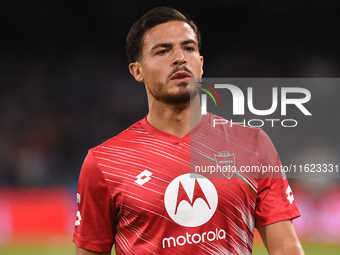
{"points": [[168, 32]]}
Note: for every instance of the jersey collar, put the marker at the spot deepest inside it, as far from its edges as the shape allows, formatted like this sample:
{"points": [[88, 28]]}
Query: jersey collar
{"points": [[172, 138]]}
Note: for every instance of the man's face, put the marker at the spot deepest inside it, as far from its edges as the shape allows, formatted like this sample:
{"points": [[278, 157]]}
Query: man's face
{"points": [[170, 57]]}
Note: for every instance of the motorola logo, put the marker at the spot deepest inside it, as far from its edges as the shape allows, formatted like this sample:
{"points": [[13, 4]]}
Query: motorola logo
{"points": [[191, 200]]}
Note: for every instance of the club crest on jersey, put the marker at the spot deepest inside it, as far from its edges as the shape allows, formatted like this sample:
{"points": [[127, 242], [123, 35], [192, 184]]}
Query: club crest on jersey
{"points": [[226, 159]]}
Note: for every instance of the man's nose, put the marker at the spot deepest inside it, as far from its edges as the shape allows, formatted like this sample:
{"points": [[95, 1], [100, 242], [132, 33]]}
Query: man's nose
{"points": [[179, 58]]}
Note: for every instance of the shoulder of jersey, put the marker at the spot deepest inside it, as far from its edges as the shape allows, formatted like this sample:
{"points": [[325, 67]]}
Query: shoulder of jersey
{"points": [[238, 130]]}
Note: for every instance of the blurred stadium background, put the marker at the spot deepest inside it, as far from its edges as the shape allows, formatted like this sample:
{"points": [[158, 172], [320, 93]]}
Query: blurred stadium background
{"points": [[65, 87]]}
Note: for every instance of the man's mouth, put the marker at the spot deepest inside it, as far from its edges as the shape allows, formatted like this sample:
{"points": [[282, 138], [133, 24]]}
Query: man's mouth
{"points": [[181, 76]]}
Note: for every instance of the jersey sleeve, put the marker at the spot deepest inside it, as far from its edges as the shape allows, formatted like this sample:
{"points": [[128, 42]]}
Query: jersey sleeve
{"points": [[94, 223], [275, 200]]}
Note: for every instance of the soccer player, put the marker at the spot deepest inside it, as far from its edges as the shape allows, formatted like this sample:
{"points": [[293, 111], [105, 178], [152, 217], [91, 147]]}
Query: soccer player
{"points": [[135, 190]]}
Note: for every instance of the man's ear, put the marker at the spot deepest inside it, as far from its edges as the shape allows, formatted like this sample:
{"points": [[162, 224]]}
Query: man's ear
{"points": [[202, 65], [136, 71]]}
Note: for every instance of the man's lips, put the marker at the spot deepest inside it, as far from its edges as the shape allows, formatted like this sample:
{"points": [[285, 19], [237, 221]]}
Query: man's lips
{"points": [[181, 76]]}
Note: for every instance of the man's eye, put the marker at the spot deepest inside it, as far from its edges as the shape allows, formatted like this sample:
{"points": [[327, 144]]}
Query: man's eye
{"points": [[161, 52], [190, 48]]}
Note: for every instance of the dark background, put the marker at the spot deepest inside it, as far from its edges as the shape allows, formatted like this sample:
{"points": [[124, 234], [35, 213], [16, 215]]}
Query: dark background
{"points": [[65, 84]]}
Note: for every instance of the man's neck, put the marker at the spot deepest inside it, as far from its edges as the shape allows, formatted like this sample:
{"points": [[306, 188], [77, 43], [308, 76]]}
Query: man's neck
{"points": [[177, 120]]}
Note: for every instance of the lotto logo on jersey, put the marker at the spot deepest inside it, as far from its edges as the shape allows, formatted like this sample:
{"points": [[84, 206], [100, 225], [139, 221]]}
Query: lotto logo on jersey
{"points": [[191, 200]]}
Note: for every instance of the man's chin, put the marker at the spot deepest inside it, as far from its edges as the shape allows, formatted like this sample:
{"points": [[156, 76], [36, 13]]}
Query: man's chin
{"points": [[176, 100], [179, 98]]}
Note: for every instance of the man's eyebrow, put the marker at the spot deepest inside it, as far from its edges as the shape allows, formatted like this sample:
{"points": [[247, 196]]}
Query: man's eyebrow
{"points": [[188, 42], [168, 45], [162, 45]]}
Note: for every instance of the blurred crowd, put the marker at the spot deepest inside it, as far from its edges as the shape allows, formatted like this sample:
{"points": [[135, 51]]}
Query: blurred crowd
{"points": [[52, 113]]}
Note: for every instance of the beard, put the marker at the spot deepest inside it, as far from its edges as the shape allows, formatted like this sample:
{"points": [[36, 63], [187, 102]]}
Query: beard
{"points": [[183, 96]]}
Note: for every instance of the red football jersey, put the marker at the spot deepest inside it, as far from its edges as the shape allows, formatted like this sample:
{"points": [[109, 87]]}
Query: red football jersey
{"points": [[136, 191]]}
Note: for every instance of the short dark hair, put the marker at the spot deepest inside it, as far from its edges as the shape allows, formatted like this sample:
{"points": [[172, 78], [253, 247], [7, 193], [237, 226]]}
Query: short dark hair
{"points": [[154, 17]]}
